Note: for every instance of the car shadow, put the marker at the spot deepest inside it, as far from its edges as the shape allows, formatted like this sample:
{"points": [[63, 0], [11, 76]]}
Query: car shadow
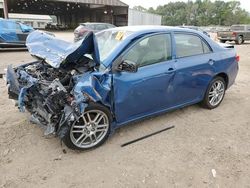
{"points": [[148, 122]]}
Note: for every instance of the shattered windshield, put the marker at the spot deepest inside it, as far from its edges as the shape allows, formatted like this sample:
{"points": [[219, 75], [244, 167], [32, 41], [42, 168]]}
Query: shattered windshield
{"points": [[109, 40]]}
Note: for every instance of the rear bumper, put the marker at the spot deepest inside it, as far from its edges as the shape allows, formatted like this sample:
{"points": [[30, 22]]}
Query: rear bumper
{"points": [[233, 72]]}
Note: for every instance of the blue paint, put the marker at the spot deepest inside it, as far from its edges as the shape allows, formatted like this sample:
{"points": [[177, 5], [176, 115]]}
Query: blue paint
{"points": [[96, 86], [23, 91], [9, 31], [153, 89], [56, 52]]}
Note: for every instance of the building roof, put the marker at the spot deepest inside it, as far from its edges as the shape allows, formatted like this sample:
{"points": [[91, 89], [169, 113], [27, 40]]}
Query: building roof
{"points": [[96, 2]]}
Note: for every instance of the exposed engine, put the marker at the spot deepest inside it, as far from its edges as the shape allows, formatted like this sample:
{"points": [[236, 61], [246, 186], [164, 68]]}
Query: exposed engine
{"points": [[47, 92]]}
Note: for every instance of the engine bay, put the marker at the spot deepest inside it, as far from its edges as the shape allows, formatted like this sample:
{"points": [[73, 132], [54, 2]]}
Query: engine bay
{"points": [[46, 91]]}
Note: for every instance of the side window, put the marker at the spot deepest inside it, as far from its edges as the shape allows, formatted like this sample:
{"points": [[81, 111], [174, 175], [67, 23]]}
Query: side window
{"points": [[110, 26], [151, 50], [100, 27], [189, 45], [92, 27]]}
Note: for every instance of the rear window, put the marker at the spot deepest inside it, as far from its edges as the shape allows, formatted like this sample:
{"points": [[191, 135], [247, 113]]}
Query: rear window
{"points": [[100, 27], [91, 26]]}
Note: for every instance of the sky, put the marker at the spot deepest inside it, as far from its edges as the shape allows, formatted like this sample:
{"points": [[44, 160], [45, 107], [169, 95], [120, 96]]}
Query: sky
{"points": [[154, 3]]}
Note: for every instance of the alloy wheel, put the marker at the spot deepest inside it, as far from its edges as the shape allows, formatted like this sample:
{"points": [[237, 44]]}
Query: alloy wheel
{"points": [[216, 93], [90, 129]]}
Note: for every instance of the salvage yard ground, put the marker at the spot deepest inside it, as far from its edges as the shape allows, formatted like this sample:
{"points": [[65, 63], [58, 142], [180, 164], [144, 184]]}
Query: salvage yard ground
{"points": [[203, 141]]}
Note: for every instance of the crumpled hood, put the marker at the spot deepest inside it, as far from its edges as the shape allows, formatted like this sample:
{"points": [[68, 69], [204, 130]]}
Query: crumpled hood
{"points": [[56, 51]]}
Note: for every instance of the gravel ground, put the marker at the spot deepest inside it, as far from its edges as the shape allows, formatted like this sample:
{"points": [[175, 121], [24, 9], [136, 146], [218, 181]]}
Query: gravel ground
{"points": [[207, 148]]}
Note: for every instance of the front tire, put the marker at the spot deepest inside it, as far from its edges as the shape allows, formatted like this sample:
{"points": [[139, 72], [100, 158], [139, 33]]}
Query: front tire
{"points": [[90, 130], [215, 93]]}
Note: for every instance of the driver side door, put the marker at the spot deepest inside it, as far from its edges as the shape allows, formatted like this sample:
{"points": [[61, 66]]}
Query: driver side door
{"points": [[150, 89]]}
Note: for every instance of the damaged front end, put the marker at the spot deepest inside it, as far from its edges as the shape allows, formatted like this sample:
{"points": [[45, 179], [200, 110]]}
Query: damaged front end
{"points": [[59, 86]]}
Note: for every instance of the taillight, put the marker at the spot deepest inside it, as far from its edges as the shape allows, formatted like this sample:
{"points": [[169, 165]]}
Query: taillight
{"points": [[234, 34], [237, 58]]}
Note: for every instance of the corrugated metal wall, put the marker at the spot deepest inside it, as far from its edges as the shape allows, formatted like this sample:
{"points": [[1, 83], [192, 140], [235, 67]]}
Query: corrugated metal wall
{"points": [[143, 18]]}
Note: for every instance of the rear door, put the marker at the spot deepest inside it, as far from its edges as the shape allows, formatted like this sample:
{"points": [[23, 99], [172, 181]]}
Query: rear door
{"points": [[194, 68]]}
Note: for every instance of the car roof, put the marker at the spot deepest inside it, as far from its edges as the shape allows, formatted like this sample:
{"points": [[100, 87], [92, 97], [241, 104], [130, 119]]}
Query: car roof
{"points": [[151, 28], [189, 26]]}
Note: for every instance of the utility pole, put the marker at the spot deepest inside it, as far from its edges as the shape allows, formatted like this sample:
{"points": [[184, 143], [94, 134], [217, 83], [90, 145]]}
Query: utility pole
{"points": [[5, 9]]}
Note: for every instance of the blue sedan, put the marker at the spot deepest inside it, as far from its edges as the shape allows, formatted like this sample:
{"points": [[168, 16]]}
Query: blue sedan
{"points": [[81, 92], [13, 34]]}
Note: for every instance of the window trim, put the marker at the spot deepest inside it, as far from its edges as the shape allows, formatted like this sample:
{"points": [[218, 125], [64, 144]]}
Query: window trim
{"points": [[147, 36], [194, 34]]}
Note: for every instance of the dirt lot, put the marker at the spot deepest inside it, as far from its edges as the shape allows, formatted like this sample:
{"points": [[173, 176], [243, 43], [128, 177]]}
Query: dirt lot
{"points": [[201, 142]]}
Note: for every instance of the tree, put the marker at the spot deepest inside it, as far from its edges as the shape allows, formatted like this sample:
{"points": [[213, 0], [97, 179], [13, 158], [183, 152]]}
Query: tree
{"points": [[140, 8], [201, 13]]}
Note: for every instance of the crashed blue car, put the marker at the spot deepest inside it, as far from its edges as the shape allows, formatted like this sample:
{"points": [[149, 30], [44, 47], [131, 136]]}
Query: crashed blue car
{"points": [[13, 34], [82, 92]]}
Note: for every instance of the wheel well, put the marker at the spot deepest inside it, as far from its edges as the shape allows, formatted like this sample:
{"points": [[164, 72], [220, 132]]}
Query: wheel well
{"points": [[224, 76]]}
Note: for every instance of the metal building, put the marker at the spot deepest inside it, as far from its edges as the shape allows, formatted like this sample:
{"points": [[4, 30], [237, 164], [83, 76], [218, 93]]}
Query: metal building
{"points": [[136, 17], [36, 21], [72, 12]]}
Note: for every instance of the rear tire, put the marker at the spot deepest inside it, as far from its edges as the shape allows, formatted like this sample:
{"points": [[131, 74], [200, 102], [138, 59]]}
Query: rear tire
{"points": [[91, 130], [239, 40], [215, 93]]}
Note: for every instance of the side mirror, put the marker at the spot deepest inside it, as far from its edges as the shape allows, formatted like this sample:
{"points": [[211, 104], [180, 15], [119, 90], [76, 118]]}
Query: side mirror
{"points": [[127, 66]]}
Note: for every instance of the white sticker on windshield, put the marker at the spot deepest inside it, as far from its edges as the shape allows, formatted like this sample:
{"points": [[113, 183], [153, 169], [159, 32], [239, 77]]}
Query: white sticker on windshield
{"points": [[120, 35]]}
